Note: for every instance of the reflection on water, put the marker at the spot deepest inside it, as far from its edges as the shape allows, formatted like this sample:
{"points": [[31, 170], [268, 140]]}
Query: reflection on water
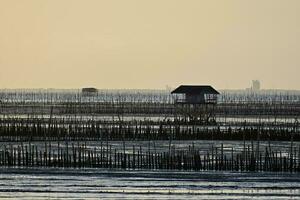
{"points": [[94, 184]]}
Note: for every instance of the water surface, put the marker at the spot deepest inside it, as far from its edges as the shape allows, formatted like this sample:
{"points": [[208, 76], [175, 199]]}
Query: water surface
{"points": [[51, 183]]}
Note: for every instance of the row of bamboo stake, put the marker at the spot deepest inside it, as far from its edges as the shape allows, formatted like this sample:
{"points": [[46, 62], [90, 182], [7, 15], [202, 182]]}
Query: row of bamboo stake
{"points": [[82, 130], [217, 158], [155, 108]]}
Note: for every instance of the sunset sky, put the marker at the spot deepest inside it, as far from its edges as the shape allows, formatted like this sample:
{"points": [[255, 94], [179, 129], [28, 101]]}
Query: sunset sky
{"points": [[149, 44]]}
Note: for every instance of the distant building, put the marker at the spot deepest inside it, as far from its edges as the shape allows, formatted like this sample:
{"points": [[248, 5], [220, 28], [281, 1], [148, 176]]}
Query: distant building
{"points": [[195, 104], [255, 85], [89, 91], [195, 94]]}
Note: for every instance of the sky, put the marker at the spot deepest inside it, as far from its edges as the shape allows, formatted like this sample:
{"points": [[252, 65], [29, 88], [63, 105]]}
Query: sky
{"points": [[149, 44]]}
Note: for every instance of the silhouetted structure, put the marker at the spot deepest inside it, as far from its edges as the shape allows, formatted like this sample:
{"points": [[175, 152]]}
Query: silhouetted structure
{"points": [[89, 91], [196, 103], [195, 94]]}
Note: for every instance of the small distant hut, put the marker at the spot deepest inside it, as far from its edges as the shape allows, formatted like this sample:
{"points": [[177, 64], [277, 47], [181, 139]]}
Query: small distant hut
{"points": [[195, 103], [89, 91]]}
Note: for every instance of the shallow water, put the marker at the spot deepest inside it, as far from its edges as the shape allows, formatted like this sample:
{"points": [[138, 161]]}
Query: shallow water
{"points": [[163, 145], [50, 183]]}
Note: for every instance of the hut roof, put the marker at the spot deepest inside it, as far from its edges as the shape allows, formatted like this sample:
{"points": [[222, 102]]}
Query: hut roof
{"points": [[89, 89], [195, 89]]}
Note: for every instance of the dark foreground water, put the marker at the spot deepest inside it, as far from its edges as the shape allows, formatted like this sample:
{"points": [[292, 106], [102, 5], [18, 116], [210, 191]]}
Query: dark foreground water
{"points": [[106, 184]]}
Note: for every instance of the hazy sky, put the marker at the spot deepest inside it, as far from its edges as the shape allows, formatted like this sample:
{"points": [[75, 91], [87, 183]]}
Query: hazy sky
{"points": [[149, 44]]}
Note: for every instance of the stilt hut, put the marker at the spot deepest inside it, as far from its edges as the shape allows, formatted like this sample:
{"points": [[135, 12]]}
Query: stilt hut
{"points": [[89, 91], [195, 103]]}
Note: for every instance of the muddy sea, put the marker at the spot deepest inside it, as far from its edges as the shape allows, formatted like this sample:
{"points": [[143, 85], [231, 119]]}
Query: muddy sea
{"points": [[53, 183]]}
